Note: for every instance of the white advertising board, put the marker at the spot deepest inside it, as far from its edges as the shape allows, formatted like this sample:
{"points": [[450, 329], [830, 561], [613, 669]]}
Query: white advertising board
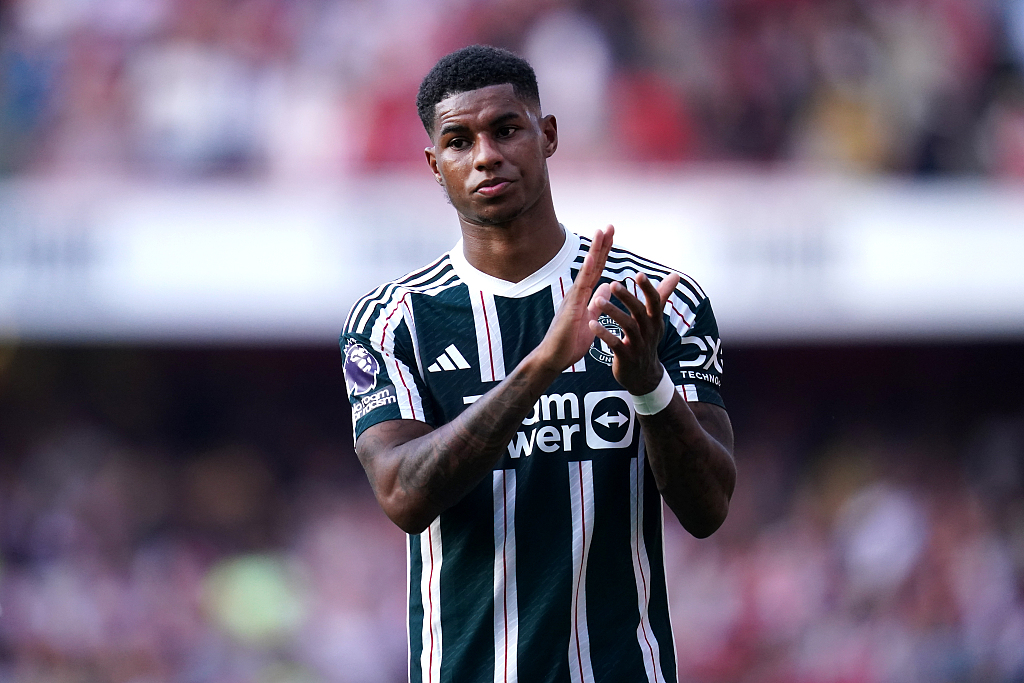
{"points": [[784, 258]]}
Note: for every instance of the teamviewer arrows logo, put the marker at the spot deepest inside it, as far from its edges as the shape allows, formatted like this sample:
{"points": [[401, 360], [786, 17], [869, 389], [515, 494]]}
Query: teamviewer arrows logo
{"points": [[609, 418]]}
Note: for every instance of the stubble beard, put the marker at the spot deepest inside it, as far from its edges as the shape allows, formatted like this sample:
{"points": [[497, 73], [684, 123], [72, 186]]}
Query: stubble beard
{"points": [[500, 221]]}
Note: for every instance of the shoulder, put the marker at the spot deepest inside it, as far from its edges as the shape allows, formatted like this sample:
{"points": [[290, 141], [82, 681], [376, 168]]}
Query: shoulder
{"points": [[435, 276], [623, 264]]}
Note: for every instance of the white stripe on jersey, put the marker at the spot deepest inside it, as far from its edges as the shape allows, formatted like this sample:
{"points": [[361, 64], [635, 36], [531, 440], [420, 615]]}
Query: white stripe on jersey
{"points": [[642, 570], [558, 290], [382, 335], [410, 320], [581, 494], [433, 290], [693, 285], [688, 391], [410, 403], [681, 302], [363, 311], [488, 336], [386, 292], [679, 314], [619, 255], [506, 607], [691, 301], [364, 305], [430, 597]]}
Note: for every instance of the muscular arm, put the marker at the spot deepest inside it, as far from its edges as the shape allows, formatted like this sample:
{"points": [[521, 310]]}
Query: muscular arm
{"points": [[689, 445], [418, 472], [689, 449]]}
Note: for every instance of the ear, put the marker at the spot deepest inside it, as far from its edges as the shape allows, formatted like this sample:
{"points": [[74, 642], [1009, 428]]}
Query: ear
{"points": [[549, 129], [432, 162]]}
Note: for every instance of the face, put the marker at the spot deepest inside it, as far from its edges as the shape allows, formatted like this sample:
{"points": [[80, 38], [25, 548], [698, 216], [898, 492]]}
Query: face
{"points": [[490, 154]]}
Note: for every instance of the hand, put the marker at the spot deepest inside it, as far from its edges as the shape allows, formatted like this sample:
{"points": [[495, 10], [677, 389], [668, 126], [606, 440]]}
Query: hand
{"points": [[569, 336], [635, 364]]}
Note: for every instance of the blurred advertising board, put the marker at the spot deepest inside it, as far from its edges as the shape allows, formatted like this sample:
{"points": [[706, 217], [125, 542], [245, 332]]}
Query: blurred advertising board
{"points": [[783, 257]]}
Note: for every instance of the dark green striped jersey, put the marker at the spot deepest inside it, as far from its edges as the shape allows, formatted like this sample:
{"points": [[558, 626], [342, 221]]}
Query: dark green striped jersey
{"points": [[551, 569]]}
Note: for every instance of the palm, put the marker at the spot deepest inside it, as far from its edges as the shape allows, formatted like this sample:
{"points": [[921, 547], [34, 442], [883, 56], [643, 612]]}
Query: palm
{"points": [[570, 335], [579, 318]]}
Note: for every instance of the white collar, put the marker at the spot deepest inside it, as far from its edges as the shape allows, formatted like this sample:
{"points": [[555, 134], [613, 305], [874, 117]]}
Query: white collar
{"points": [[540, 279]]}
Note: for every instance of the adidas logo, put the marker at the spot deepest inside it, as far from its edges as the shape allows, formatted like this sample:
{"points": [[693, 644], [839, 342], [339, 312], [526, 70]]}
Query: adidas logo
{"points": [[451, 359]]}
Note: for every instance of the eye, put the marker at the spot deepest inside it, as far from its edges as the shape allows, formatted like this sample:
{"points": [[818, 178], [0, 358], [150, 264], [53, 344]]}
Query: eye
{"points": [[458, 143], [506, 131]]}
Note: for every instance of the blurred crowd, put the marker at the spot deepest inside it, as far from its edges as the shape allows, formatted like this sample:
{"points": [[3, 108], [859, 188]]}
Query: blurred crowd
{"points": [[320, 88], [199, 517]]}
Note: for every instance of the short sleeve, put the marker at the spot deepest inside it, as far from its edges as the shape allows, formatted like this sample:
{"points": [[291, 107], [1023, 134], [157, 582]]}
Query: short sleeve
{"points": [[691, 351], [381, 377]]}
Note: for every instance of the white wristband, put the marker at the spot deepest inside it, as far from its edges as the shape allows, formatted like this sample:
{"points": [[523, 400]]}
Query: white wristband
{"points": [[657, 400]]}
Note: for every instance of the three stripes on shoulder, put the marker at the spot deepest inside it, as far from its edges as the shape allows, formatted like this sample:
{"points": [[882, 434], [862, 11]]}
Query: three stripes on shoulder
{"points": [[451, 359]]}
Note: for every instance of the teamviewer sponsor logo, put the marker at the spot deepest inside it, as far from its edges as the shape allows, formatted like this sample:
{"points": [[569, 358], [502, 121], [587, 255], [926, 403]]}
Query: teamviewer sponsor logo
{"points": [[549, 407], [609, 419]]}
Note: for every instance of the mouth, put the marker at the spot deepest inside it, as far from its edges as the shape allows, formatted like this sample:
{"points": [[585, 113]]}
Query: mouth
{"points": [[492, 187]]}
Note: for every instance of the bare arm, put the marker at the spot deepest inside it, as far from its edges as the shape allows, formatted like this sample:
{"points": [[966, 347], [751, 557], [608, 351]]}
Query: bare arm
{"points": [[418, 472], [689, 446]]}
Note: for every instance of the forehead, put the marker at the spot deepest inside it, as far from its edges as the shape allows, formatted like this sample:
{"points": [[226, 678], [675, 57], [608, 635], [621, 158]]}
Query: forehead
{"points": [[491, 100]]}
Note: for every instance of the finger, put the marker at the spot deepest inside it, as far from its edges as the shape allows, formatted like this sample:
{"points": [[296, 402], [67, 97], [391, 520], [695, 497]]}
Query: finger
{"points": [[653, 302], [625, 321], [632, 303], [603, 291], [601, 249], [665, 289], [667, 286], [609, 234], [616, 345], [593, 263]]}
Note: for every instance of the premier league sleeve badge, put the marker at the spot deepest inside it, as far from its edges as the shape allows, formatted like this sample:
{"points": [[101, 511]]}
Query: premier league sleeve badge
{"points": [[361, 369]]}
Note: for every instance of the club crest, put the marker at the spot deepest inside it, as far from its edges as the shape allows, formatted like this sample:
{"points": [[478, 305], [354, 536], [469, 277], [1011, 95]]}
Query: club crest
{"points": [[361, 369], [599, 351]]}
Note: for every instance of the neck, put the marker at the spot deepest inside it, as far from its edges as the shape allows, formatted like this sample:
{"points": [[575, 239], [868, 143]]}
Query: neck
{"points": [[516, 250]]}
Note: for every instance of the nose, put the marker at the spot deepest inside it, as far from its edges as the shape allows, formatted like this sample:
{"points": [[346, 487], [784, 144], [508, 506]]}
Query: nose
{"points": [[488, 155]]}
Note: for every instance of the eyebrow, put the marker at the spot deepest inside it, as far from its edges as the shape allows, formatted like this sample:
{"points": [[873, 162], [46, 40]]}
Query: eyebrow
{"points": [[450, 128]]}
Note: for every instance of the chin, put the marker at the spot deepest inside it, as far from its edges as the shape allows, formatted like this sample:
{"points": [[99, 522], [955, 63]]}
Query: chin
{"points": [[497, 221], [501, 215], [493, 218]]}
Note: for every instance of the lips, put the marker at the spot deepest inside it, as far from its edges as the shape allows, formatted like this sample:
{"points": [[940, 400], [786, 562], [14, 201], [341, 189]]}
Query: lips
{"points": [[492, 186]]}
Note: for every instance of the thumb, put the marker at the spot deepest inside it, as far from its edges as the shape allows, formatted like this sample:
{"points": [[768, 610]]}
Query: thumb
{"points": [[603, 291], [666, 286]]}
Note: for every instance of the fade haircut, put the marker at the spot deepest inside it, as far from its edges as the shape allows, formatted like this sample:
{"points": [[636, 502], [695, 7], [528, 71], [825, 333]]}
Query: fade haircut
{"points": [[476, 66]]}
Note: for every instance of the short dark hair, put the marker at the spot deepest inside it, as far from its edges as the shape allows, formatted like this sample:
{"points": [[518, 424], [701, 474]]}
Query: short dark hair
{"points": [[476, 66]]}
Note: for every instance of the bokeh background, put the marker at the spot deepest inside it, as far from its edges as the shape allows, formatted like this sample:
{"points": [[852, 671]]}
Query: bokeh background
{"points": [[194, 192]]}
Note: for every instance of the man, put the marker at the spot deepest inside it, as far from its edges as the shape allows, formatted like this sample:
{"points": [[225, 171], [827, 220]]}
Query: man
{"points": [[520, 403]]}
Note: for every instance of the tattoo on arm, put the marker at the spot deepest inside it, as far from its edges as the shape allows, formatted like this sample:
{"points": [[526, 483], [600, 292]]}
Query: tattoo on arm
{"points": [[423, 471], [689, 448]]}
